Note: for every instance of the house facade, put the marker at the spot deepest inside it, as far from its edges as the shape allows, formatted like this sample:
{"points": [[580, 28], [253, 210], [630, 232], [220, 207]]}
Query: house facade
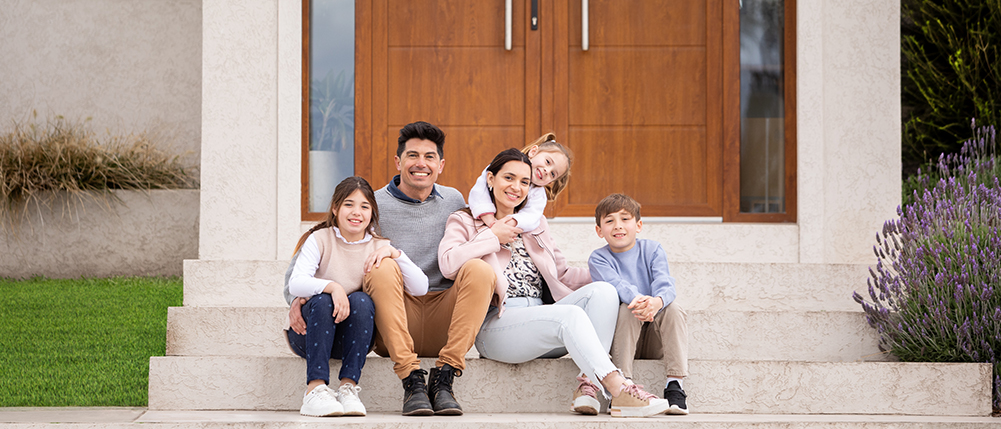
{"points": [[418, 63]]}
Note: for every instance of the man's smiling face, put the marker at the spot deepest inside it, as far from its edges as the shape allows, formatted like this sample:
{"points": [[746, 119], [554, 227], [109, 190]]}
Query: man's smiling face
{"points": [[419, 166]]}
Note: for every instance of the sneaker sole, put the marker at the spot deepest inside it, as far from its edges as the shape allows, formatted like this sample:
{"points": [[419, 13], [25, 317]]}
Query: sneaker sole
{"points": [[586, 405], [676, 411], [646, 411], [333, 414]]}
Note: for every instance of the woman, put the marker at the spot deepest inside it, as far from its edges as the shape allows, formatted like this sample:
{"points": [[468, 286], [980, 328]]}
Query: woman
{"points": [[529, 267]]}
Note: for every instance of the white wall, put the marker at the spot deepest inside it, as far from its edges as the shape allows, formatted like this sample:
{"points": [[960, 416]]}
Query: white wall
{"points": [[130, 65]]}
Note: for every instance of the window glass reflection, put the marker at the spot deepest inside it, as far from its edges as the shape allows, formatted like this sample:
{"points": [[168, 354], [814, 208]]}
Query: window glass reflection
{"points": [[762, 109], [331, 98]]}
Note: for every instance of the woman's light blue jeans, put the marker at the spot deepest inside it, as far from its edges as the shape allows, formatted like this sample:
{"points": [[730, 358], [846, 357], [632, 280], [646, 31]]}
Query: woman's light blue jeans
{"points": [[581, 324]]}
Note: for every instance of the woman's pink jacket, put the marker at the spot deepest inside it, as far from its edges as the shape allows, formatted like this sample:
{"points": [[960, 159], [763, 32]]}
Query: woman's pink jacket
{"points": [[467, 238]]}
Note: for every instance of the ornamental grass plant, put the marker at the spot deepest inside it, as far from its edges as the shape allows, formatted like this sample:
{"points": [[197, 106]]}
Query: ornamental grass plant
{"points": [[936, 288], [38, 161]]}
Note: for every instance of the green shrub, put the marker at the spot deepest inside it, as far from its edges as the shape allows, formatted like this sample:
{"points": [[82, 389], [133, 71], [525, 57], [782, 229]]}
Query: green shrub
{"points": [[935, 292], [950, 68]]}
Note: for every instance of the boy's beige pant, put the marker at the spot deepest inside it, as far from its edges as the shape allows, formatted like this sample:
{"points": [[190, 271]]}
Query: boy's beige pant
{"points": [[666, 338]]}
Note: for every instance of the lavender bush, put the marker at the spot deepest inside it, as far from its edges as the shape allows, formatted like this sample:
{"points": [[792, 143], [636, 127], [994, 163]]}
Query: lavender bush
{"points": [[935, 291]]}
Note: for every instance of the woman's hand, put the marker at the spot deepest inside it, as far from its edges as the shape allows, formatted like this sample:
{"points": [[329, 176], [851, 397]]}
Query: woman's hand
{"points": [[375, 258], [504, 231], [342, 308]]}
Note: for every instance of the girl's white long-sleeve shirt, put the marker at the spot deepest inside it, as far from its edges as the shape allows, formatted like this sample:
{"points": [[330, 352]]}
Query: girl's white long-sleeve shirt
{"points": [[528, 217], [347, 259]]}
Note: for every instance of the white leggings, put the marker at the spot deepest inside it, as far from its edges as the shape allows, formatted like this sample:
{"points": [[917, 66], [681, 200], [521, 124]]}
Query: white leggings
{"points": [[581, 324]]}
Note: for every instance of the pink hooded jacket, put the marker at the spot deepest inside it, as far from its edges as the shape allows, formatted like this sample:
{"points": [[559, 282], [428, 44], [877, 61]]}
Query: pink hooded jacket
{"points": [[467, 238]]}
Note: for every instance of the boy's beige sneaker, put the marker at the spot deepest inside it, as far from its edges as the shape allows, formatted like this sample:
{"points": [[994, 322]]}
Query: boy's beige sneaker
{"points": [[585, 398], [633, 401]]}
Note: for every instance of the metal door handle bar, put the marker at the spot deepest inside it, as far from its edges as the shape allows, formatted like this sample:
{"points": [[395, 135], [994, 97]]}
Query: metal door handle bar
{"points": [[507, 24], [584, 43]]}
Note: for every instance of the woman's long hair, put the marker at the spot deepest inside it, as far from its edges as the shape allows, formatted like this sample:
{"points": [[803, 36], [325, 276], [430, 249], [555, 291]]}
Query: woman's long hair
{"points": [[341, 193]]}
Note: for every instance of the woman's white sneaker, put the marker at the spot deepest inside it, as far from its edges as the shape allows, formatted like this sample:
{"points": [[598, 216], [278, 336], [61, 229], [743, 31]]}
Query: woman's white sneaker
{"points": [[347, 394], [321, 402]]}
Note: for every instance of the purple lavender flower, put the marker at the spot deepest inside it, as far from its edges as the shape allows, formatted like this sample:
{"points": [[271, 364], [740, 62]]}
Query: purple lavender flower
{"points": [[934, 287]]}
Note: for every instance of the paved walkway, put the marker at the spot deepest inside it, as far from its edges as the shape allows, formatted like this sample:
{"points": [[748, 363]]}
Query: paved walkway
{"points": [[142, 416]]}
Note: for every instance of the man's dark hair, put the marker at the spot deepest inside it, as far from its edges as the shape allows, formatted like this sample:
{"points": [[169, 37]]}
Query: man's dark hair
{"points": [[422, 131]]}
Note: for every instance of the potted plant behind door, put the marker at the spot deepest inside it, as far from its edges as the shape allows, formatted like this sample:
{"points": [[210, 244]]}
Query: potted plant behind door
{"points": [[331, 130]]}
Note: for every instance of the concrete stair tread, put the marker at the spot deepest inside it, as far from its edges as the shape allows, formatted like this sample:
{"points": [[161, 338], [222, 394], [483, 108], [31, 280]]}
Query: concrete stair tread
{"points": [[753, 335], [63, 417], [767, 387], [557, 419]]}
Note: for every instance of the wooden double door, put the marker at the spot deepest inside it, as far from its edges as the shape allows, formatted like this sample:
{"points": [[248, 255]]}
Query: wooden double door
{"points": [[640, 108]]}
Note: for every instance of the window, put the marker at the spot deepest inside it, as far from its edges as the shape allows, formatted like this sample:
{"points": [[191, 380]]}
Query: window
{"points": [[328, 99]]}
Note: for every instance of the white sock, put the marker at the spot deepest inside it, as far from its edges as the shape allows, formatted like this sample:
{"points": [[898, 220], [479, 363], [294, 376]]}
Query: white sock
{"points": [[681, 382]]}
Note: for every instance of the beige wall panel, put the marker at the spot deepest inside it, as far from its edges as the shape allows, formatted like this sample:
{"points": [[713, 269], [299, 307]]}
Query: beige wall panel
{"points": [[131, 66], [861, 125], [149, 234], [239, 128]]}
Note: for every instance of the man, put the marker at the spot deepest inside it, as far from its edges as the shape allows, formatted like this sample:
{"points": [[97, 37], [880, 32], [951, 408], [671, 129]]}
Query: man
{"points": [[444, 322]]}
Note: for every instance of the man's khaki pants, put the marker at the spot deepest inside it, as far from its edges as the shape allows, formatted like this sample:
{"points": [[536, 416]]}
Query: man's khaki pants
{"points": [[666, 338], [440, 324]]}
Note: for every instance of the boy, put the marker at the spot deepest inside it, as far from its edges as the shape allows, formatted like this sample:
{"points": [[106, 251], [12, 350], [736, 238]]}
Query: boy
{"points": [[650, 325]]}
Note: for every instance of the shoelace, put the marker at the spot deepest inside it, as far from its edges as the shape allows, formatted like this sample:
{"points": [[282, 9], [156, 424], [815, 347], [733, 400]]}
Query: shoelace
{"points": [[587, 387], [411, 383], [637, 391], [324, 392], [349, 390]]}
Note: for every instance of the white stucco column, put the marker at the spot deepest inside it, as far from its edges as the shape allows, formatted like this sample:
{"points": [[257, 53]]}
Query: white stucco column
{"points": [[239, 129], [848, 99]]}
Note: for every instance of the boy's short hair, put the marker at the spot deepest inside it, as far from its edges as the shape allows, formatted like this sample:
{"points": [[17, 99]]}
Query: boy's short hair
{"points": [[614, 203]]}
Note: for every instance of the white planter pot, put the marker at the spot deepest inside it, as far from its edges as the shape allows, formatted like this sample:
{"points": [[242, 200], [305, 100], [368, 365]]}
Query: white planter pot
{"points": [[326, 170]]}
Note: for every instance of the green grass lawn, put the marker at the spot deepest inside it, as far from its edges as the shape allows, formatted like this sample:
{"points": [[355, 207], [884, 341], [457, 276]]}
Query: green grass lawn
{"points": [[81, 342]]}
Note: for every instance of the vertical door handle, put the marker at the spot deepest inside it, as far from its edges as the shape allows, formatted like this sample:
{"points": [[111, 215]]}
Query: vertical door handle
{"points": [[584, 43], [507, 24], [535, 15]]}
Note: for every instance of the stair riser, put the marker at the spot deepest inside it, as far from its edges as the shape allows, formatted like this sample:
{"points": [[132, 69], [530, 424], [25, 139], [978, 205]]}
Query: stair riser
{"points": [[180, 383], [701, 286], [713, 335]]}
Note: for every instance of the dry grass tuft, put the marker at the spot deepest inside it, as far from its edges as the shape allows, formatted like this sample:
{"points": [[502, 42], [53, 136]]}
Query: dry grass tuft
{"points": [[59, 155]]}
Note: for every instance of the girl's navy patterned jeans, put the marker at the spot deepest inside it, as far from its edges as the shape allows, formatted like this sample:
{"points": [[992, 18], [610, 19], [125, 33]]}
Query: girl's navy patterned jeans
{"points": [[349, 341]]}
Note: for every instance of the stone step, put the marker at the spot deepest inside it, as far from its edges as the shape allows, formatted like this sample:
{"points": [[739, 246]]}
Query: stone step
{"points": [[545, 386], [835, 336], [77, 417], [701, 285]]}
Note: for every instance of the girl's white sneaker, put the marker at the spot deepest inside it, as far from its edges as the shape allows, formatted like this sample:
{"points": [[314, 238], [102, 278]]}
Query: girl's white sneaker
{"points": [[348, 396], [320, 402]]}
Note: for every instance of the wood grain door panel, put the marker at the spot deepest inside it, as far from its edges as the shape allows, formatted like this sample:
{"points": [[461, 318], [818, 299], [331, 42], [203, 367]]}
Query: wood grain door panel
{"points": [[642, 107], [648, 158], [642, 23], [638, 86], [449, 23], [457, 86]]}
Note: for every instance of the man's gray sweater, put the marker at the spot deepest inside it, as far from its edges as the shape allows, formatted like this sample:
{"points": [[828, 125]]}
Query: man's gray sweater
{"points": [[417, 228]]}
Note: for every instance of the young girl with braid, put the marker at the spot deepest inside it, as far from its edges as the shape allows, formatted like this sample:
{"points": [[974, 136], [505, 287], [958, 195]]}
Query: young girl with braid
{"points": [[551, 163], [325, 279]]}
